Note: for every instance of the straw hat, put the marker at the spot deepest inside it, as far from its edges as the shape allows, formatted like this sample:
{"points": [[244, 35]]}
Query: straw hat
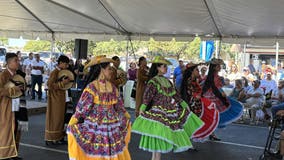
{"points": [[97, 60], [217, 61], [16, 80], [161, 60], [64, 74], [122, 74]]}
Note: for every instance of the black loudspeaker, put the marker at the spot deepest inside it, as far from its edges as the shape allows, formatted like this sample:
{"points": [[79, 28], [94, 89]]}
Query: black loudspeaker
{"points": [[81, 48]]}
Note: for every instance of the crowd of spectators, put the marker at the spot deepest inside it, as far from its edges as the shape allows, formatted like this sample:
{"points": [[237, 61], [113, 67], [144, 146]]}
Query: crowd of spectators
{"points": [[256, 89]]}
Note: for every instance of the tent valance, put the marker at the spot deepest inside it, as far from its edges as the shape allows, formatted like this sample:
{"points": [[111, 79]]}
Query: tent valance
{"points": [[237, 21]]}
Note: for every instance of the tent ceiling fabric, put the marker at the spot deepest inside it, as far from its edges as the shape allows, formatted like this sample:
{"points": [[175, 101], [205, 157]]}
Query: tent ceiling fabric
{"points": [[163, 17], [237, 21], [259, 18]]}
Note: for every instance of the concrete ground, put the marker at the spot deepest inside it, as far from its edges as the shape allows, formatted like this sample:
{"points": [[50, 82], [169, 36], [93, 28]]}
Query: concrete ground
{"points": [[239, 142]]}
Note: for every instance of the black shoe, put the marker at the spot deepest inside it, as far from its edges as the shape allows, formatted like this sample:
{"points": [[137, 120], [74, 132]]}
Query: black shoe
{"points": [[33, 98], [16, 158], [61, 142], [192, 150], [49, 143], [214, 138]]}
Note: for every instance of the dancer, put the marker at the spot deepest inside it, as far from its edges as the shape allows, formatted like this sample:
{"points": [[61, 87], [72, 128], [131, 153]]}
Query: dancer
{"points": [[8, 149], [230, 110], [117, 79], [165, 122], [202, 107], [54, 124], [100, 127], [142, 79]]}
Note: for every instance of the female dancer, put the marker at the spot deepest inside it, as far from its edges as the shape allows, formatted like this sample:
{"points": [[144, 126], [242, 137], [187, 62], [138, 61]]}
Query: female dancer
{"points": [[99, 128], [165, 121], [202, 107], [230, 110]]}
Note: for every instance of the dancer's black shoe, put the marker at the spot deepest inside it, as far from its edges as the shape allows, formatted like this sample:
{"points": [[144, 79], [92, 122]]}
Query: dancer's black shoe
{"points": [[214, 138]]}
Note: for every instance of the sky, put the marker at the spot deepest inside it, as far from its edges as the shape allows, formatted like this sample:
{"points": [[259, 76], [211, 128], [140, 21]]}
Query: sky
{"points": [[19, 42]]}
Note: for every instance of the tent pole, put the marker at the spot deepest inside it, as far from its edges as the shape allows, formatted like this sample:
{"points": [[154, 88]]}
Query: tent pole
{"points": [[218, 48], [276, 59], [127, 51], [127, 54], [245, 55], [132, 48], [52, 45], [203, 57]]}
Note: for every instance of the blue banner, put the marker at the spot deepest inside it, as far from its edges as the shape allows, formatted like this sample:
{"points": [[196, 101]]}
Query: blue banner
{"points": [[206, 50]]}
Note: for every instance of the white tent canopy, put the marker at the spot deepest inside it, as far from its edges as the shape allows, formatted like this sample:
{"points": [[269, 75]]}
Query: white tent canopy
{"points": [[236, 21]]}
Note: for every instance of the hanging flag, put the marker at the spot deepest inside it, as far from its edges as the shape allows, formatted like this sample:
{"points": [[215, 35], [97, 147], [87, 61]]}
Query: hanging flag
{"points": [[206, 50]]}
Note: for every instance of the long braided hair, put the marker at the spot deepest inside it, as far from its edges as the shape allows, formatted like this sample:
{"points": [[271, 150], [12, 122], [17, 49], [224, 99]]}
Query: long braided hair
{"points": [[94, 73], [183, 89], [209, 83], [154, 70]]}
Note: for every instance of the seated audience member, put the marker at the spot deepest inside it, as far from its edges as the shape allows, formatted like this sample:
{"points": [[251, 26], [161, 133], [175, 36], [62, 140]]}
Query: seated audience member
{"points": [[254, 99], [277, 95], [276, 99], [246, 88], [227, 83], [268, 84], [247, 74], [237, 90], [246, 83], [234, 73], [276, 108]]}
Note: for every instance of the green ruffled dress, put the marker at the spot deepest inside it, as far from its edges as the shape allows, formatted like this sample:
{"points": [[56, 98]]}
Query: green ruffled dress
{"points": [[166, 124]]}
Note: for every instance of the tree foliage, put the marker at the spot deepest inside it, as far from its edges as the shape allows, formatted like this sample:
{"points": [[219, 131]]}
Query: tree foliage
{"points": [[3, 41], [185, 49], [111, 47], [65, 46], [36, 46], [192, 52], [225, 52], [167, 48]]}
